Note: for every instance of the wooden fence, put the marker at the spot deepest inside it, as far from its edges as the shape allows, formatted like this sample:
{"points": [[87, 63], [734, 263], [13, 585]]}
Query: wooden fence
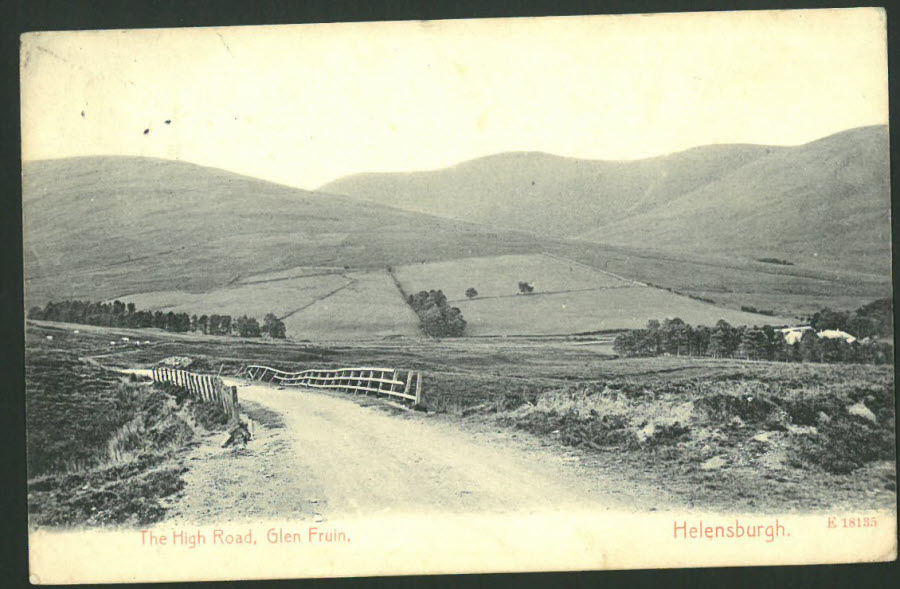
{"points": [[204, 387], [380, 381]]}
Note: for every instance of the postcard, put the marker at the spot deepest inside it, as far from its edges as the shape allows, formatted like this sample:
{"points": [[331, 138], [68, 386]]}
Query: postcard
{"points": [[401, 298]]}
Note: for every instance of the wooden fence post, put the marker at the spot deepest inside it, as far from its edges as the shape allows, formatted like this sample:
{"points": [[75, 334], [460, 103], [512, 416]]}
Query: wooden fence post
{"points": [[235, 408], [420, 398], [409, 375]]}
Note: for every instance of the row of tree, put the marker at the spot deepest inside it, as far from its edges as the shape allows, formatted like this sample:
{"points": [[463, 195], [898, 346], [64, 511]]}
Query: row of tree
{"points": [[119, 314], [436, 317], [675, 337]]}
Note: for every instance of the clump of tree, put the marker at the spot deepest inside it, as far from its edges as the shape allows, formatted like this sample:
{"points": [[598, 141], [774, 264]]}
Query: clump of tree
{"points": [[273, 326], [873, 320], [248, 327], [675, 337], [119, 314], [471, 293], [436, 317], [525, 288]]}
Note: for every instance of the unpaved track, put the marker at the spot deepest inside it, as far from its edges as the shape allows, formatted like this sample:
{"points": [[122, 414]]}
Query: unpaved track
{"points": [[361, 460], [330, 456]]}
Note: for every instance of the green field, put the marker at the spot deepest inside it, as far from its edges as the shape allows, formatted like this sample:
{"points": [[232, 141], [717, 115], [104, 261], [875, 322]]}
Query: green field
{"points": [[330, 304], [568, 298], [500, 275], [314, 303], [254, 299], [369, 306], [596, 310]]}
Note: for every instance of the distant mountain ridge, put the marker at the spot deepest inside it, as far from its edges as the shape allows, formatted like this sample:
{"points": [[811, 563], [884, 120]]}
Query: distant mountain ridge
{"points": [[825, 200]]}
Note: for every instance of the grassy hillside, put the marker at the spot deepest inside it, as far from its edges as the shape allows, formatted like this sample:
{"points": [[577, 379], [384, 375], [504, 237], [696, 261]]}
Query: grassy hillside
{"points": [[175, 235], [103, 227], [826, 202], [822, 204]]}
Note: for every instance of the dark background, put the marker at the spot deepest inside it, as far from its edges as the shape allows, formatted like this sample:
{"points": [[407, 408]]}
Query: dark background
{"points": [[22, 16]]}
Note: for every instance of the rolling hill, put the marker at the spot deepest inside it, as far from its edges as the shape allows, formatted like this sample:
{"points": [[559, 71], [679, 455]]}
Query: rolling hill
{"points": [[173, 235], [824, 204], [103, 227]]}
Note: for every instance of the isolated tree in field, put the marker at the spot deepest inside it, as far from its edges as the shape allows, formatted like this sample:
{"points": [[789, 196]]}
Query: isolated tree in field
{"points": [[471, 293], [273, 326], [525, 288], [248, 327]]}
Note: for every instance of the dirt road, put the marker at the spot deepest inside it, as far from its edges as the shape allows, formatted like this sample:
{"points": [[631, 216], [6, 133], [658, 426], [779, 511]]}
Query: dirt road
{"points": [[322, 455]]}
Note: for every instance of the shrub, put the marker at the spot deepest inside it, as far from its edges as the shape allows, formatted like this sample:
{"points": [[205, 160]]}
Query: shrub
{"points": [[845, 444]]}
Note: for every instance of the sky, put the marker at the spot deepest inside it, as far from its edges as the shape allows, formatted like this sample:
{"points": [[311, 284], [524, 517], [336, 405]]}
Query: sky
{"points": [[306, 104]]}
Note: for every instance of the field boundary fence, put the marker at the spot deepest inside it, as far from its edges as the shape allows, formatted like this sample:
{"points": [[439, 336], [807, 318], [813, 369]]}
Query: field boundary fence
{"points": [[403, 385], [204, 387]]}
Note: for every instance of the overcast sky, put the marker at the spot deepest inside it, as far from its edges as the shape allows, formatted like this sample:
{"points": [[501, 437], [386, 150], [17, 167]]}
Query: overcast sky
{"points": [[306, 104]]}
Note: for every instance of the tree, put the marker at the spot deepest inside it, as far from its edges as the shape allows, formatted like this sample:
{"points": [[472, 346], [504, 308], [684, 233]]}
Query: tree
{"points": [[471, 293], [442, 321], [525, 288], [809, 346], [436, 318], [723, 340], [753, 344], [828, 319], [676, 336], [273, 326], [214, 324], [248, 327]]}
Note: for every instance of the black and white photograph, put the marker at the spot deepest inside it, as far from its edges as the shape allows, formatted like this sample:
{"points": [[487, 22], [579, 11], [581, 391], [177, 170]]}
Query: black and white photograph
{"points": [[458, 296]]}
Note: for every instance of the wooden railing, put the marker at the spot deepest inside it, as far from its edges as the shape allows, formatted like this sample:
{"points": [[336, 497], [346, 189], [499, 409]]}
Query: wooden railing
{"points": [[203, 387], [380, 381]]}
